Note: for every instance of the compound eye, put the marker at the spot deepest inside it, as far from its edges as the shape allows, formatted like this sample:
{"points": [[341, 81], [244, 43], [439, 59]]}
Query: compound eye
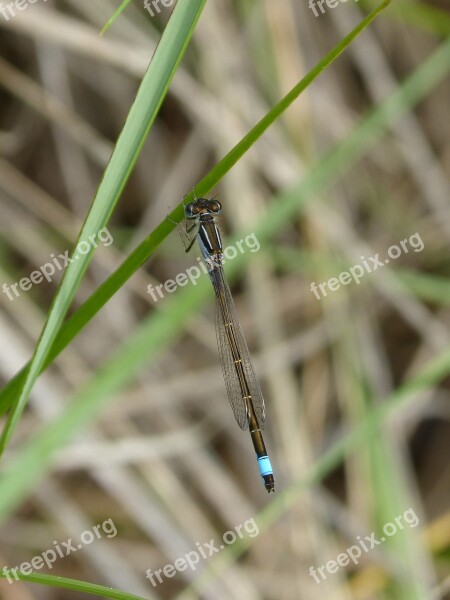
{"points": [[215, 206], [191, 211]]}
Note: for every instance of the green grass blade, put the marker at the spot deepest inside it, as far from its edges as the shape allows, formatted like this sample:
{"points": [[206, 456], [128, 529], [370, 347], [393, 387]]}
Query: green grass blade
{"points": [[138, 257], [160, 328], [115, 15], [76, 585], [141, 116]]}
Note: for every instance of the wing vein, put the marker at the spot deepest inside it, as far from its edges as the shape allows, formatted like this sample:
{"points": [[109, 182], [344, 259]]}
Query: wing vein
{"points": [[240, 380]]}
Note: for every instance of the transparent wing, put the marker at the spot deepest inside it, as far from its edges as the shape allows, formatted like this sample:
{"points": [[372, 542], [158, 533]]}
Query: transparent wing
{"points": [[241, 383]]}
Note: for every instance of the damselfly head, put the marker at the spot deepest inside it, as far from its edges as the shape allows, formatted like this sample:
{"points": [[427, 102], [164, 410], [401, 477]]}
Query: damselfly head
{"points": [[202, 206]]}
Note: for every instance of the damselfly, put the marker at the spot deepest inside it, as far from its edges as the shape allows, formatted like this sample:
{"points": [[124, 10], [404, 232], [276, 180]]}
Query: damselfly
{"points": [[243, 389]]}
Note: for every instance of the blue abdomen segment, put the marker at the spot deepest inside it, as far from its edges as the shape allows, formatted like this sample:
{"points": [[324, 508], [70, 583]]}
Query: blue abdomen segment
{"points": [[265, 468]]}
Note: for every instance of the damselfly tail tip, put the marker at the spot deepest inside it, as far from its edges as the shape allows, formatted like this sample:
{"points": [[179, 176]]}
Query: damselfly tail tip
{"points": [[269, 483]]}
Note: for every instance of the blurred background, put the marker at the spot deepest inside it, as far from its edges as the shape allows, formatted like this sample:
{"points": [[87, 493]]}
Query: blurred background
{"points": [[165, 459]]}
